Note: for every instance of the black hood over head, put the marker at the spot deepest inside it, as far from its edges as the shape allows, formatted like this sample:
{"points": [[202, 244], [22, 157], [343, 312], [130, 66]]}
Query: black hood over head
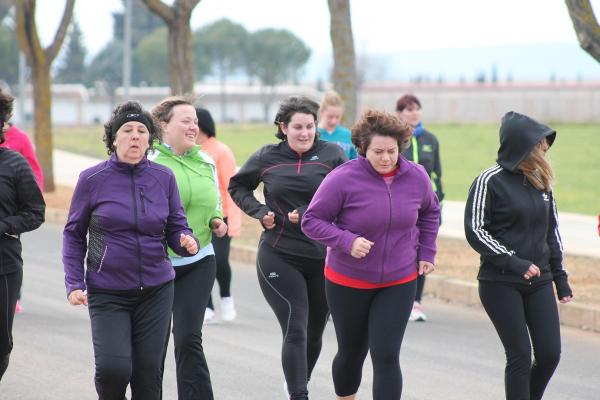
{"points": [[518, 136]]}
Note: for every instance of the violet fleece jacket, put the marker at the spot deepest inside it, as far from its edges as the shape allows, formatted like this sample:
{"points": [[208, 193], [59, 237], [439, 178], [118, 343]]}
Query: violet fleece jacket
{"points": [[402, 219]]}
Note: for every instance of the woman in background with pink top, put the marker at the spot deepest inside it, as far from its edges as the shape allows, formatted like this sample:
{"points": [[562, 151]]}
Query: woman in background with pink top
{"points": [[379, 218], [17, 140], [226, 168]]}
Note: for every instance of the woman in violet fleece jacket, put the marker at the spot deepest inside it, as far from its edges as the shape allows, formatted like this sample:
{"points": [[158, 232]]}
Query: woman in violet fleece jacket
{"points": [[379, 217], [124, 213]]}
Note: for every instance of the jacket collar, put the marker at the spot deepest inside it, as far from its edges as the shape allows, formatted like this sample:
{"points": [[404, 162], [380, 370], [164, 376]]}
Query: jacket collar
{"points": [[403, 166], [287, 149], [125, 167]]}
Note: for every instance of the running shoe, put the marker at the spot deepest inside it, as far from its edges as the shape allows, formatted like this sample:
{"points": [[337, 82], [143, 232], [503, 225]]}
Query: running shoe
{"points": [[18, 308], [228, 312], [209, 316], [417, 313]]}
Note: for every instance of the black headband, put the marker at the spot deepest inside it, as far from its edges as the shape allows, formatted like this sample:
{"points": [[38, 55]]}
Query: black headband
{"points": [[128, 117]]}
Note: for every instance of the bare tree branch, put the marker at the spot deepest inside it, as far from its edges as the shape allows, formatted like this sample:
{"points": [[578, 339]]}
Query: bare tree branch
{"points": [[181, 64], [162, 10], [61, 32], [27, 35], [586, 26]]}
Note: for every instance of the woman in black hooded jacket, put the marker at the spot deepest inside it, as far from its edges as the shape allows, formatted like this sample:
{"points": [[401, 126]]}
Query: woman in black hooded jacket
{"points": [[512, 222], [21, 210]]}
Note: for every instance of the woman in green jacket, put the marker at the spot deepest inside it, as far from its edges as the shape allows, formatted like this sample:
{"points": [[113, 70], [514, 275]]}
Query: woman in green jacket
{"points": [[197, 181]]}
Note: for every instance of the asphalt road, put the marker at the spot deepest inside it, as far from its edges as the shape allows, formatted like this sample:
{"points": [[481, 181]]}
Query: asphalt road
{"points": [[454, 356]]}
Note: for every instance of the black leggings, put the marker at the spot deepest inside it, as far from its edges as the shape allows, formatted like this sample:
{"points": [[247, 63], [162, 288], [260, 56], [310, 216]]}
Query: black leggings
{"points": [[520, 313], [369, 319], [9, 288], [129, 333], [193, 284], [222, 248], [294, 288]]}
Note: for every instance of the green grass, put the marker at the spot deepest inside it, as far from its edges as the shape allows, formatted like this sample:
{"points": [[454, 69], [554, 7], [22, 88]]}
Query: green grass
{"points": [[466, 149]]}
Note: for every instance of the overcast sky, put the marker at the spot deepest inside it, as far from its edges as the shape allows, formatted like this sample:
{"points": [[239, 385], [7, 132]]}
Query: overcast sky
{"points": [[380, 26]]}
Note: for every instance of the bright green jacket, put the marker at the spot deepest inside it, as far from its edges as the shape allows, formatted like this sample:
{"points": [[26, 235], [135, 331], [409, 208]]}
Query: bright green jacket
{"points": [[198, 185]]}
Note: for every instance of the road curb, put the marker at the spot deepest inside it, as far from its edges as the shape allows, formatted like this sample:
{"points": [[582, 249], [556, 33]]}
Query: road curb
{"points": [[582, 316]]}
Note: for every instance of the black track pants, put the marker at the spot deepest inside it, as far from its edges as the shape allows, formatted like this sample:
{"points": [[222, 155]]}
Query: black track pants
{"points": [[519, 312], [193, 284], [9, 289], [222, 248], [294, 288], [129, 337], [369, 319]]}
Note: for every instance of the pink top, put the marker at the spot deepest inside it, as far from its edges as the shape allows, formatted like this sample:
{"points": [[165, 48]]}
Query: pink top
{"points": [[226, 168], [17, 140]]}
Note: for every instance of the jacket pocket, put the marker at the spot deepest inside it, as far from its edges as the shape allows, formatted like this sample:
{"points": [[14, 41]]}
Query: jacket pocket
{"points": [[97, 248], [143, 199]]}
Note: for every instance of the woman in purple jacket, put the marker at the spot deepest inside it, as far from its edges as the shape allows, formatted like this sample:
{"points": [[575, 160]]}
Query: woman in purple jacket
{"points": [[129, 209], [379, 217]]}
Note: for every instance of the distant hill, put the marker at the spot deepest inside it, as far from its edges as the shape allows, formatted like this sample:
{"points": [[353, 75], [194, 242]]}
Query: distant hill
{"points": [[527, 62]]}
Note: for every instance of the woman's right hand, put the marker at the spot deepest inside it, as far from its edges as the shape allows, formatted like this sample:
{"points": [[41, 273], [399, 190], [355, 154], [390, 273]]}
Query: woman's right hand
{"points": [[268, 220], [533, 270], [361, 247], [77, 298]]}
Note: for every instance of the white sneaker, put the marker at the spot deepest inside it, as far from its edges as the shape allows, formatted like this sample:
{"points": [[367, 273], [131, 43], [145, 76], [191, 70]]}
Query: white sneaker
{"points": [[209, 316], [417, 313], [228, 312]]}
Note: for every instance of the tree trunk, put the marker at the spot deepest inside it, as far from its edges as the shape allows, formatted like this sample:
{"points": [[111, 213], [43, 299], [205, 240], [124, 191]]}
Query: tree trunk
{"points": [[586, 26], [40, 61], [344, 59], [42, 103], [223, 92], [181, 55]]}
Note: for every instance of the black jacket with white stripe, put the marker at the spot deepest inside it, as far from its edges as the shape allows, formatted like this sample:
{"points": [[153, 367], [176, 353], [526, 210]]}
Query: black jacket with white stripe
{"points": [[509, 222]]}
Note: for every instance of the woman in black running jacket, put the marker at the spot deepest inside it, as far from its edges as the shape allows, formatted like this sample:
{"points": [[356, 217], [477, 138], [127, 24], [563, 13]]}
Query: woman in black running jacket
{"points": [[289, 264], [21, 210], [512, 222]]}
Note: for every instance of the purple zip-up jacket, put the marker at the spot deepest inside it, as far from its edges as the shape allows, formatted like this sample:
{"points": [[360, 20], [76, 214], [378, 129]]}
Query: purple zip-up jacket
{"points": [[402, 219], [131, 213]]}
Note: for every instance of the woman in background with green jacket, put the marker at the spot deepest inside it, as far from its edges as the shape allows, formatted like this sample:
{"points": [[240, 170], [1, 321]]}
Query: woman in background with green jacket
{"points": [[197, 181]]}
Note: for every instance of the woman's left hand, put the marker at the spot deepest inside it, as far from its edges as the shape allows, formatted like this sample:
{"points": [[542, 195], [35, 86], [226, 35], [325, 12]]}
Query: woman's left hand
{"points": [[425, 267], [294, 217], [566, 299], [188, 243], [219, 227]]}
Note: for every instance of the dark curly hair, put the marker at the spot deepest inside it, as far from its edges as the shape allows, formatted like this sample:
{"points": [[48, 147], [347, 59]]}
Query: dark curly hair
{"points": [[291, 106], [129, 107], [6, 108], [374, 122]]}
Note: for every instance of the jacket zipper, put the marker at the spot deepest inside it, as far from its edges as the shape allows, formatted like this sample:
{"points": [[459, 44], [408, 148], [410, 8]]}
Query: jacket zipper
{"points": [[299, 165], [135, 223], [528, 188], [189, 181], [387, 231]]}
